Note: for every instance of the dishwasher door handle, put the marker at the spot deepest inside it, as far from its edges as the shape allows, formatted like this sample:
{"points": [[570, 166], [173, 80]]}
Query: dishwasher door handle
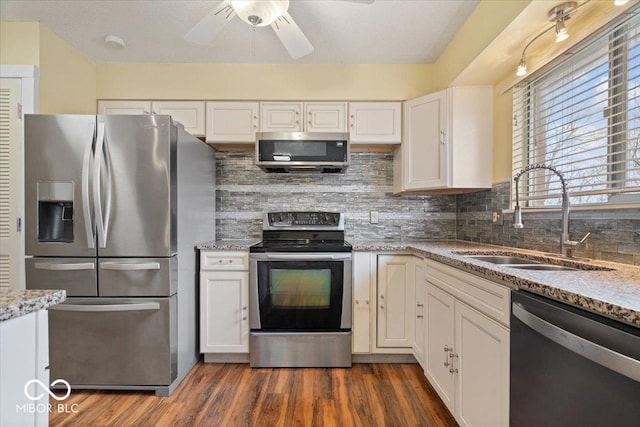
{"points": [[603, 356]]}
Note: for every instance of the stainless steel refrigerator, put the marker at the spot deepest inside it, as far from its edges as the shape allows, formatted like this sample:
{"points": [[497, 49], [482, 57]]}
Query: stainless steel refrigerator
{"points": [[114, 206]]}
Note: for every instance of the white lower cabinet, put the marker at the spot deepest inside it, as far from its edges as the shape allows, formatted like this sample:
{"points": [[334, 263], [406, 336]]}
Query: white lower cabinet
{"points": [[467, 356], [383, 306], [420, 299], [224, 302], [362, 263], [24, 356], [395, 303]]}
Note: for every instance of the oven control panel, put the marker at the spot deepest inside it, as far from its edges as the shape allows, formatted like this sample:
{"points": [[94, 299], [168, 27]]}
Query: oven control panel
{"points": [[293, 219]]}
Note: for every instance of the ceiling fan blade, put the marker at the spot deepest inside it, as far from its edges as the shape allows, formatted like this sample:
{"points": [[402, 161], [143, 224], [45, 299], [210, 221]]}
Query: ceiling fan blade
{"points": [[292, 36], [209, 26]]}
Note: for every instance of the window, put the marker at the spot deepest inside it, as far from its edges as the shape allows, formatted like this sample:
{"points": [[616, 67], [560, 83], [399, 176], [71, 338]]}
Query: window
{"points": [[582, 117]]}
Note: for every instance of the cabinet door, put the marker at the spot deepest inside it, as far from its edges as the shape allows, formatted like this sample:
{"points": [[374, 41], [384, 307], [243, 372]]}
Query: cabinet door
{"points": [[482, 346], [375, 122], [425, 149], [439, 341], [280, 116], [420, 313], [189, 113], [224, 301], [325, 116], [395, 301], [124, 107], [361, 330], [232, 121]]}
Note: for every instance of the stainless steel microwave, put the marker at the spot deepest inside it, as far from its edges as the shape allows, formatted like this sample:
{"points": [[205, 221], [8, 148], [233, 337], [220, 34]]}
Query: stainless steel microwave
{"points": [[302, 152]]}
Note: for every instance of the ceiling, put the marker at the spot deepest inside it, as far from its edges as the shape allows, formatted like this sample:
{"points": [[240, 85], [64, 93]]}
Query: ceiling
{"points": [[342, 32]]}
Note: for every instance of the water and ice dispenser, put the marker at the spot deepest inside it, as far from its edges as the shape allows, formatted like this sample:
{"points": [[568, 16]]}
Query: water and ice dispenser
{"points": [[55, 211]]}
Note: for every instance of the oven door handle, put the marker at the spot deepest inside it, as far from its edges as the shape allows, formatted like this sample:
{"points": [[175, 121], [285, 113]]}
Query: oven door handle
{"points": [[309, 257], [610, 359]]}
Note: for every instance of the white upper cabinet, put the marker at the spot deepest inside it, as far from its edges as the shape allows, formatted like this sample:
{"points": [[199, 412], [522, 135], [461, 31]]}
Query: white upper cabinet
{"points": [[325, 116], [281, 117], [303, 116], [232, 122], [448, 142], [124, 107], [375, 122], [189, 113]]}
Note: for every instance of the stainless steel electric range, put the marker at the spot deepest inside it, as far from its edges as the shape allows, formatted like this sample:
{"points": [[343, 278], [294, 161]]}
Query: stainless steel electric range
{"points": [[300, 292]]}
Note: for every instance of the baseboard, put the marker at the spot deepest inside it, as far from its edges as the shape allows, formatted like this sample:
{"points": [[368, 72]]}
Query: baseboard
{"points": [[226, 358], [383, 358]]}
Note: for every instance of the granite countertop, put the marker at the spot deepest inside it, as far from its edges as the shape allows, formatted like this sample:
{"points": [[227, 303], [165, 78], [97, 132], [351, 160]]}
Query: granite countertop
{"points": [[18, 303], [228, 245], [614, 293]]}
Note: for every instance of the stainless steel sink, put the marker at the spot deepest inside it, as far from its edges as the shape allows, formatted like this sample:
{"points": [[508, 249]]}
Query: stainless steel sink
{"points": [[532, 262], [543, 267], [502, 259]]}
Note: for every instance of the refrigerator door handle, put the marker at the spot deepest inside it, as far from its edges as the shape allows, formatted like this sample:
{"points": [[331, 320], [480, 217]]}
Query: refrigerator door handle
{"points": [[109, 185], [64, 266], [86, 206], [130, 266], [97, 194], [106, 307]]}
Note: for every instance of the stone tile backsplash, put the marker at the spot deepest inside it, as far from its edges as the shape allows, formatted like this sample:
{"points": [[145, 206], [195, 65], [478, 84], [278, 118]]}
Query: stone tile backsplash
{"points": [[615, 234], [244, 193]]}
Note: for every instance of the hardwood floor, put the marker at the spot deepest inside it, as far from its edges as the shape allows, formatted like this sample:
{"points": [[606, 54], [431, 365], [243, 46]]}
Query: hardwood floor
{"points": [[236, 395]]}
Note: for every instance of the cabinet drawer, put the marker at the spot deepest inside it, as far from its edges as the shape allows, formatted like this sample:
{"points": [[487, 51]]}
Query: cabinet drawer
{"points": [[490, 298], [224, 260]]}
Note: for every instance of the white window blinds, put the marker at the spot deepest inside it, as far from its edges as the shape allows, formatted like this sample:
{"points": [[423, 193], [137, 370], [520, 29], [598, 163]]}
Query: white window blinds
{"points": [[582, 117]]}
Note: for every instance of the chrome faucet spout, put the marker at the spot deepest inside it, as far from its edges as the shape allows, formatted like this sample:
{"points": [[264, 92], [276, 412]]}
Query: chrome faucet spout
{"points": [[566, 244]]}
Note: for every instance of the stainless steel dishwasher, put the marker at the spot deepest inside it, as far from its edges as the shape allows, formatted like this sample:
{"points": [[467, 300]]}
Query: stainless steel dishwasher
{"points": [[570, 367]]}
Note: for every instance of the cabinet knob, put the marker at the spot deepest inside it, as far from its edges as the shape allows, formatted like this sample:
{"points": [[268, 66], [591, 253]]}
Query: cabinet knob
{"points": [[357, 302], [366, 302], [447, 348], [419, 305], [381, 296], [244, 307], [419, 316], [244, 318], [382, 307], [309, 121]]}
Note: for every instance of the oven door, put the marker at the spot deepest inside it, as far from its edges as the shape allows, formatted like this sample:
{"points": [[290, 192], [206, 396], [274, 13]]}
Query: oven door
{"points": [[300, 292]]}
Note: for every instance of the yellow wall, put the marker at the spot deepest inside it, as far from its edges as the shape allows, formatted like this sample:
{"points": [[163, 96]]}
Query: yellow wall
{"points": [[485, 23], [67, 77], [263, 81], [20, 43]]}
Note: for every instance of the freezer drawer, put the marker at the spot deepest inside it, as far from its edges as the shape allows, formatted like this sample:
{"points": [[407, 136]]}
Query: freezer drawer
{"points": [[137, 277], [75, 275], [124, 342]]}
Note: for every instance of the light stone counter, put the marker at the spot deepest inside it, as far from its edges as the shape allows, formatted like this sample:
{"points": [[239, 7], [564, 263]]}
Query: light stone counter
{"points": [[18, 303], [614, 293], [227, 245]]}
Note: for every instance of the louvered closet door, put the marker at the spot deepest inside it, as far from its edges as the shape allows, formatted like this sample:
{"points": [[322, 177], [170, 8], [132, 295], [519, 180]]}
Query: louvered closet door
{"points": [[10, 179]]}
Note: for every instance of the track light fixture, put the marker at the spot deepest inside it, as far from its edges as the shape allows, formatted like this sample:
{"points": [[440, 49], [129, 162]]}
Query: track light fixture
{"points": [[558, 15]]}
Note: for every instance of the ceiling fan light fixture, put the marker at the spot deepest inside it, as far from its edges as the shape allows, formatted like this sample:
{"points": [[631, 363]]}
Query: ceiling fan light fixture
{"points": [[259, 13]]}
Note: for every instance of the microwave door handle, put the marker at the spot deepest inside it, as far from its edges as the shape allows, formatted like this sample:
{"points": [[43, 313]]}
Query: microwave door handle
{"points": [[105, 308], [89, 226], [97, 195]]}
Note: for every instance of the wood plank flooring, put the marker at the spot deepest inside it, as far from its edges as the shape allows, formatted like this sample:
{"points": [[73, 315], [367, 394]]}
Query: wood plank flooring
{"points": [[366, 395]]}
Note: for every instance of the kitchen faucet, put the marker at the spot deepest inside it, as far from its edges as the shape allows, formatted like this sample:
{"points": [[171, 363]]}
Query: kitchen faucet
{"points": [[566, 245]]}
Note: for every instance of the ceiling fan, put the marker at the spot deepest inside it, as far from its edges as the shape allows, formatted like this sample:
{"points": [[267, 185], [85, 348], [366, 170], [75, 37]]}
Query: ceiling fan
{"points": [[257, 13]]}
